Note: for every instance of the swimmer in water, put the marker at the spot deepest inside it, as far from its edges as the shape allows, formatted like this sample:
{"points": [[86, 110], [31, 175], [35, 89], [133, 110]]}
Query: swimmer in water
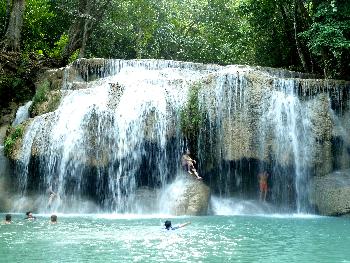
{"points": [[168, 226], [8, 219], [53, 219], [30, 216]]}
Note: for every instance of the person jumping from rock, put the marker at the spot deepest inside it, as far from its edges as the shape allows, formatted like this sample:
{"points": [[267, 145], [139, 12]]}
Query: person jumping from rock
{"points": [[188, 164]]}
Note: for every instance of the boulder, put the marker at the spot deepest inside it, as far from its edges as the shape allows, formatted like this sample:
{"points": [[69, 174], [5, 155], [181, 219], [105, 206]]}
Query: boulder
{"points": [[191, 197], [330, 194]]}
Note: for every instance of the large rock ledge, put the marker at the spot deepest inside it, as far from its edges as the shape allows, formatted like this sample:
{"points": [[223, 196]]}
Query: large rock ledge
{"points": [[331, 193]]}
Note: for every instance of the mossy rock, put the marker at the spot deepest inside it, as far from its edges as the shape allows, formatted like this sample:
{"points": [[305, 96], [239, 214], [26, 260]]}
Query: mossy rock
{"points": [[12, 140], [45, 99], [53, 76], [191, 116]]}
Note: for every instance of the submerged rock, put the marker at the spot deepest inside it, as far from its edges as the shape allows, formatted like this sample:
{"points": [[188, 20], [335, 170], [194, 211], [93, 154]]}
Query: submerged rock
{"points": [[330, 194]]}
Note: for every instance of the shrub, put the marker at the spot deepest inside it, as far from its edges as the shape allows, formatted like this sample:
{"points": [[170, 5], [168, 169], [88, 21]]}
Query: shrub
{"points": [[40, 96], [11, 139], [191, 117]]}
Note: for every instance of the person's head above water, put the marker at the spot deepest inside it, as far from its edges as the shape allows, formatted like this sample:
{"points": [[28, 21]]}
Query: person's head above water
{"points": [[29, 215], [8, 219], [167, 224], [53, 219]]}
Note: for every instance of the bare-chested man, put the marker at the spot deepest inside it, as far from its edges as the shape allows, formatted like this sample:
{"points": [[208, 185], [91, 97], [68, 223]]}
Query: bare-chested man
{"points": [[188, 165]]}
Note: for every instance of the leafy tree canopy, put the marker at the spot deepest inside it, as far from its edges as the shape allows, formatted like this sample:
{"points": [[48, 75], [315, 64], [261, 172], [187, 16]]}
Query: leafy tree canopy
{"points": [[305, 35]]}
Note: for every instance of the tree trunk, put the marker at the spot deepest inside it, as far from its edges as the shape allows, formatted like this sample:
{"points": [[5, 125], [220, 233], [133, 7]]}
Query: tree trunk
{"points": [[12, 37], [74, 39], [86, 32], [90, 14], [297, 42], [75, 32]]}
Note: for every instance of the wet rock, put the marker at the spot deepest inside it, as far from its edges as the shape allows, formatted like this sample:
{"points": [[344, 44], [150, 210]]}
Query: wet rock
{"points": [[5, 201], [194, 199], [53, 76], [50, 103], [7, 115], [330, 194], [3, 129]]}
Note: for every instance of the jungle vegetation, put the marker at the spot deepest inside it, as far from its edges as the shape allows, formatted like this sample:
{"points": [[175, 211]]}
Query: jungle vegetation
{"points": [[311, 36]]}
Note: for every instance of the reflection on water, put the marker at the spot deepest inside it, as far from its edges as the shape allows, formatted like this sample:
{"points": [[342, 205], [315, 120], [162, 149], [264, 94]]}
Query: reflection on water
{"points": [[104, 238]]}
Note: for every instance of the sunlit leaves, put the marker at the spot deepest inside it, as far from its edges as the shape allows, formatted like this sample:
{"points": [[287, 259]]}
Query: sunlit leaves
{"points": [[36, 20]]}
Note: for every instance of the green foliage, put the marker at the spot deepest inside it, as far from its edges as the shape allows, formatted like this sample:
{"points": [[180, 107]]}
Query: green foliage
{"points": [[40, 96], [37, 23], [268, 35], [191, 117], [44, 95], [41, 92], [13, 87], [2, 18], [328, 37], [11, 139], [255, 32], [74, 56], [56, 51]]}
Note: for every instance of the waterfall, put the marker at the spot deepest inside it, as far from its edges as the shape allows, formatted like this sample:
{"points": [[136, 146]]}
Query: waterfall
{"points": [[290, 123], [116, 136], [106, 140], [22, 114]]}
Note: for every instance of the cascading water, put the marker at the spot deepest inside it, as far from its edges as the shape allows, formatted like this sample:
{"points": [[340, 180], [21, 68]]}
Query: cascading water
{"points": [[251, 125], [105, 141], [22, 114], [290, 124], [116, 139]]}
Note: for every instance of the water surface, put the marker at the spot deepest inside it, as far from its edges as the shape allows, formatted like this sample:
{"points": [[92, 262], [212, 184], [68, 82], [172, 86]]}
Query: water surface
{"points": [[113, 238]]}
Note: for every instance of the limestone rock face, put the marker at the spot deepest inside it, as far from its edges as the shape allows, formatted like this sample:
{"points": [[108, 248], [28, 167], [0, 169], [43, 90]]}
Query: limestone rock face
{"points": [[194, 199], [331, 193], [7, 115]]}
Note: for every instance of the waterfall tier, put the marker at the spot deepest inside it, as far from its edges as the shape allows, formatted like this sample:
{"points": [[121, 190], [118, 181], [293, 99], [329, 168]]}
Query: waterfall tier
{"points": [[120, 126]]}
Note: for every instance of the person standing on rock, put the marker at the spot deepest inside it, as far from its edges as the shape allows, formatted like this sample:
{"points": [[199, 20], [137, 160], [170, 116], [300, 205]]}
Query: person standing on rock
{"points": [[188, 164], [263, 176]]}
